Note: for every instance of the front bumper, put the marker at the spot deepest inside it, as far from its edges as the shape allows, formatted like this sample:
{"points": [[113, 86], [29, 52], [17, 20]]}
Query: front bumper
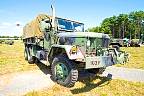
{"points": [[98, 62]]}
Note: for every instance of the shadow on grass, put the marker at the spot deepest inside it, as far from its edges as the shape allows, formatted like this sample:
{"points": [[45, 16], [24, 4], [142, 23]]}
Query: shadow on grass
{"points": [[89, 85], [85, 78], [45, 69]]}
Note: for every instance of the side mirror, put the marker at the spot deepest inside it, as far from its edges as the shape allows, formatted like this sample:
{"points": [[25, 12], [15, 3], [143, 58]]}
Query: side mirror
{"points": [[45, 25], [88, 43]]}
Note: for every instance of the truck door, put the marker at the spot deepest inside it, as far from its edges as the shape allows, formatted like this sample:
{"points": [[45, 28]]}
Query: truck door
{"points": [[46, 28]]}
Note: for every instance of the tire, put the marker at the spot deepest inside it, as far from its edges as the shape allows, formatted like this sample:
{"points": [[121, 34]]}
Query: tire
{"points": [[31, 59], [64, 71], [25, 54]]}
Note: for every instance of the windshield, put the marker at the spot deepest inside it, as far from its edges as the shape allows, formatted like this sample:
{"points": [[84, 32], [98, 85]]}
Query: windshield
{"points": [[78, 27], [70, 25]]}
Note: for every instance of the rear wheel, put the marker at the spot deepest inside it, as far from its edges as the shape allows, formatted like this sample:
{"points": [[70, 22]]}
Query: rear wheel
{"points": [[64, 71], [25, 54], [31, 59]]}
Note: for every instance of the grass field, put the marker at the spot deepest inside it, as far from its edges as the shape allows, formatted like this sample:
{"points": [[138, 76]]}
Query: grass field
{"points": [[12, 60], [136, 59]]}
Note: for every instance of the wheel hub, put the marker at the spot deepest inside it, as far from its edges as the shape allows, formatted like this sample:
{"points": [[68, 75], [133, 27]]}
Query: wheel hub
{"points": [[61, 71]]}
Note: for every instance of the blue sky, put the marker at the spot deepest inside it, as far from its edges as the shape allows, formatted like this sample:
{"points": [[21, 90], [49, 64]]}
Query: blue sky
{"points": [[90, 12]]}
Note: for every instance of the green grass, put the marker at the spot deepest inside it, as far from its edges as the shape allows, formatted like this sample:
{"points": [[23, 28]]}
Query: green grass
{"points": [[12, 58], [136, 59]]}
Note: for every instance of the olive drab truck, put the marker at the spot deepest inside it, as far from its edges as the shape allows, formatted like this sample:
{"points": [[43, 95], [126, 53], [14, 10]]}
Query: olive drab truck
{"points": [[64, 46]]}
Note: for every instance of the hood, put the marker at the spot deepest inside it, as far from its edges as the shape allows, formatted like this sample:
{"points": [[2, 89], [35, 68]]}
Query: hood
{"points": [[83, 34]]}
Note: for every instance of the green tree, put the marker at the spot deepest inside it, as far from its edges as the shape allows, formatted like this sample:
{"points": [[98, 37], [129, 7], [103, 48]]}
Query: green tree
{"points": [[137, 19], [124, 25], [94, 29]]}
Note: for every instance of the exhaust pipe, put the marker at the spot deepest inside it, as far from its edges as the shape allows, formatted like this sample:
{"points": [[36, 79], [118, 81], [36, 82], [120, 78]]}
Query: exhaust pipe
{"points": [[53, 16]]}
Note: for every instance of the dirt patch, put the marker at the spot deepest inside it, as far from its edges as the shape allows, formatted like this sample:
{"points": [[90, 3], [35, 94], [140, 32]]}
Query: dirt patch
{"points": [[16, 84], [129, 74]]}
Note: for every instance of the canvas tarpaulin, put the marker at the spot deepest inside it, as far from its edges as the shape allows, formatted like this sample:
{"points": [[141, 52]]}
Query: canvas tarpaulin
{"points": [[32, 29]]}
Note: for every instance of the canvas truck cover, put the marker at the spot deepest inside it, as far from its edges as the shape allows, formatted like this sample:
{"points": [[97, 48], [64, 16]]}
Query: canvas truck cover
{"points": [[32, 29]]}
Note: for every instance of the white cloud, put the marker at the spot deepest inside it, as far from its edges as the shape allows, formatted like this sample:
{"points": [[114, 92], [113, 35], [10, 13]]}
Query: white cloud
{"points": [[10, 29]]}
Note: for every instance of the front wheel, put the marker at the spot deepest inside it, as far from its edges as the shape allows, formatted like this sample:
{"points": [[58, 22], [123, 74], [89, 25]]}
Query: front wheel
{"points": [[64, 71]]}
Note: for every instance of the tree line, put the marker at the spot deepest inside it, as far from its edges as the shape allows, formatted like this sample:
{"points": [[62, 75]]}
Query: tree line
{"points": [[123, 26], [9, 37]]}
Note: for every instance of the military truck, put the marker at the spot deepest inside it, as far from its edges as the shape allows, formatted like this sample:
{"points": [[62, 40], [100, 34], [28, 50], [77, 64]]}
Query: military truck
{"points": [[135, 43], [63, 45], [1, 41], [9, 42], [120, 42]]}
